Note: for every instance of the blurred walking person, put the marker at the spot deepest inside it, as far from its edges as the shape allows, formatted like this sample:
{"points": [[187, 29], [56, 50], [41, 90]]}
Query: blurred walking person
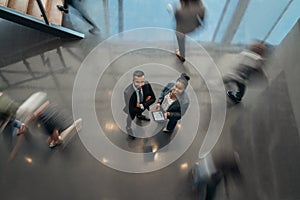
{"points": [[249, 62], [189, 16], [209, 171]]}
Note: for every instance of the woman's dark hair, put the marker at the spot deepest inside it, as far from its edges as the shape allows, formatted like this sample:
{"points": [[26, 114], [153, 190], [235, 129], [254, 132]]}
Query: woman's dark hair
{"points": [[184, 79]]}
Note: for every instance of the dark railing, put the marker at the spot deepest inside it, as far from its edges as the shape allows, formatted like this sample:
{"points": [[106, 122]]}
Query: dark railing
{"points": [[41, 6], [42, 25]]}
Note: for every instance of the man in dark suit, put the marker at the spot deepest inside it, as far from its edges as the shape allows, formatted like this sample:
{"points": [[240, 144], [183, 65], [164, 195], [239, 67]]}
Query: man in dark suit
{"points": [[138, 97]]}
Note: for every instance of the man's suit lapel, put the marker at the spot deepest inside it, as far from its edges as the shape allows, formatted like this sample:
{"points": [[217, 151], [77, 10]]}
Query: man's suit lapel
{"points": [[133, 97]]}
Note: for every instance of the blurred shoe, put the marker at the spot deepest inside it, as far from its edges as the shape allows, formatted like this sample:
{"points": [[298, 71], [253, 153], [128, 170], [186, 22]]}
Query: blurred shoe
{"points": [[238, 100], [130, 133], [231, 95], [131, 137], [143, 117], [61, 8], [165, 130], [94, 30], [54, 143], [181, 58]]}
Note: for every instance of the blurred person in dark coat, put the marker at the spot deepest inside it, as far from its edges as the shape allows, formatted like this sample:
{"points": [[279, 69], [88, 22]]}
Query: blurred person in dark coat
{"points": [[65, 8], [189, 16], [55, 121], [249, 62], [209, 171]]}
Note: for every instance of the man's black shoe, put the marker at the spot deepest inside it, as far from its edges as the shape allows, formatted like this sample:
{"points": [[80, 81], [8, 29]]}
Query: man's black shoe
{"points": [[143, 117], [130, 133], [61, 8]]}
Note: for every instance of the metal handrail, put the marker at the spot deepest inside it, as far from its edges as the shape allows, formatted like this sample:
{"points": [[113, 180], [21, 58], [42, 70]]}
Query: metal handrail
{"points": [[41, 6]]}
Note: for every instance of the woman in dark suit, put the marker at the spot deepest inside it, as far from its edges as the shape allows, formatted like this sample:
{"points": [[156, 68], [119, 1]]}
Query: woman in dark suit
{"points": [[174, 101]]}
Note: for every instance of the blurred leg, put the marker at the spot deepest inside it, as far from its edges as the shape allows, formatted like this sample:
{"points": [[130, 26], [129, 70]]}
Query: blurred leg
{"points": [[241, 90], [171, 124], [202, 188], [181, 43], [211, 192], [66, 3], [128, 121]]}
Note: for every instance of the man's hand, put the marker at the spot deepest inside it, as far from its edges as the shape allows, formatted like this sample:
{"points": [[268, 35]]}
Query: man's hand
{"points": [[138, 105], [148, 98]]}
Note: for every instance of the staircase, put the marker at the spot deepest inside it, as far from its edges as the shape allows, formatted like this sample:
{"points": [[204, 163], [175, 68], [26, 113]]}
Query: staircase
{"points": [[45, 17]]}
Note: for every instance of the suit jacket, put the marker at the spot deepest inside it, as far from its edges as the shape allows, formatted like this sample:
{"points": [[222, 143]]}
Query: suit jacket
{"points": [[178, 108], [130, 98]]}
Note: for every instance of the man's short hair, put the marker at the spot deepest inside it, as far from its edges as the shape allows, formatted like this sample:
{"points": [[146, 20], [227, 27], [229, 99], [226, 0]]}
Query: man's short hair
{"points": [[138, 73]]}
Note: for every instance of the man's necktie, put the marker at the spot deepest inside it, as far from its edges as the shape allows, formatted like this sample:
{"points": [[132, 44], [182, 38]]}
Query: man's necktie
{"points": [[141, 96]]}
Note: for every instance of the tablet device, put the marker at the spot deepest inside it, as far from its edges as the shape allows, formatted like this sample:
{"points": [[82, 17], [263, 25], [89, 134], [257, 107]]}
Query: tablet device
{"points": [[158, 116]]}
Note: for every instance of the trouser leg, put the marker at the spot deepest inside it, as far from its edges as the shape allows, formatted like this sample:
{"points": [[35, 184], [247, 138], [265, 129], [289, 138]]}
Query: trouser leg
{"points": [[241, 90], [181, 43], [66, 3], [202, 189], [128, 121], [171, 124]]}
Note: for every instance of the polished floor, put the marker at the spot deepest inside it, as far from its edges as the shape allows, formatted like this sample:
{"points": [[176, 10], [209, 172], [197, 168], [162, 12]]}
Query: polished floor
{"points": [[86, 78]]}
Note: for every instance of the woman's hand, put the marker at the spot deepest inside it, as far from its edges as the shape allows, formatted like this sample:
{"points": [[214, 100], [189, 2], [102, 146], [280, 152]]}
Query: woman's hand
{"points": [[166, 115], [157, 107]]}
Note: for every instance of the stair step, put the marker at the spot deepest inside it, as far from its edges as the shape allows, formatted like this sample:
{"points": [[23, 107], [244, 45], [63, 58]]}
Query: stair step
{"points": [[32, 22], [19, 5], [54, 15], [34, 9], [3, 2]]}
